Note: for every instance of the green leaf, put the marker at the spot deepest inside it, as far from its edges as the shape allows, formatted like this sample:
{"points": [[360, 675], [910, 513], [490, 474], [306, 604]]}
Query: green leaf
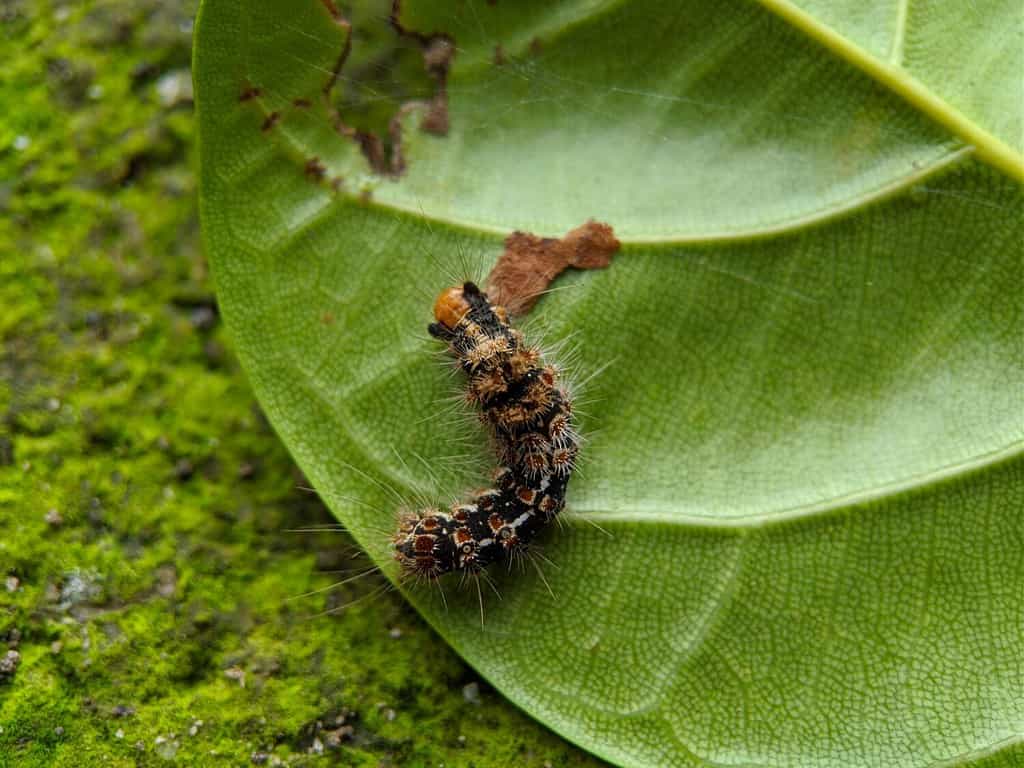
{"points": [[797, 539]]}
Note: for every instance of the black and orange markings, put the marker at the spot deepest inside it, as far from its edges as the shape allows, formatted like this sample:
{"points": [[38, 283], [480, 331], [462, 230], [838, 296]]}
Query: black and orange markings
{"points": [[528, 413]]}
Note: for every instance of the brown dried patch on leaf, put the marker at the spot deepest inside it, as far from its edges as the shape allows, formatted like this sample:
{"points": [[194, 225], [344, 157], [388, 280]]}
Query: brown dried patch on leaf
{"points": [[438, 52], [272, 119], [385, 153], [314, 169], [332, 9], [382, 148], [370, 144], [249, 92], [530, 263], [435, 121]]}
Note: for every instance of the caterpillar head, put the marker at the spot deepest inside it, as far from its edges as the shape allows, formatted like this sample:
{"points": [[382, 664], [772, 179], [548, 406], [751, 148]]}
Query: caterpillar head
{"points": [[452, 305], [455, 304]]}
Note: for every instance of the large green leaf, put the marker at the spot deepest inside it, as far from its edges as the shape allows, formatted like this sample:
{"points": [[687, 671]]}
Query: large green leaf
{"points": [[797, 538]]}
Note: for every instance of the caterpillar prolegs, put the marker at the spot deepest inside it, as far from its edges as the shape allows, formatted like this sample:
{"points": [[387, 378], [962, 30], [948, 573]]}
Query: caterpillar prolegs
{"points": [[530, 419]]}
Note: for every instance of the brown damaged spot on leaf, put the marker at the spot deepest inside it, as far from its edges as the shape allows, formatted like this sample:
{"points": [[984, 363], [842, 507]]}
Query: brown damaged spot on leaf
{"points": [[387, 158], [438, 52], [314, 169], [332, 9], [383, 150], [272, 119], [249, 92], [530, 263]]}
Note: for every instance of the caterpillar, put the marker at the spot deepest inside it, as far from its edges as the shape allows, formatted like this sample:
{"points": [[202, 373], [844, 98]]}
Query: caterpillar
{"points": [[530, 418]]}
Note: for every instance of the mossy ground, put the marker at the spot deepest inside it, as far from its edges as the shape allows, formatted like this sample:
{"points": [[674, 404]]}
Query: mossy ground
{"points": [[148, 570]]}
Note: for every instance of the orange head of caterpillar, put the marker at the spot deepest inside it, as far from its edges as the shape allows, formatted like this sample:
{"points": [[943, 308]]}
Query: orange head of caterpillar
{"points": [[455, 303], [452, 306], [458, 303]]}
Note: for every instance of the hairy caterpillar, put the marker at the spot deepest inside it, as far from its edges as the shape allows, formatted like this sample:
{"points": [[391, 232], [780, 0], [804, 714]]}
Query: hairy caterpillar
{"points": [[530, 418]]}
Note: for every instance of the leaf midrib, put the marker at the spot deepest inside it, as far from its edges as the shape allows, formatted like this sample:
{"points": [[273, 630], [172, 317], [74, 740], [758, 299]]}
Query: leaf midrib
{"points": [[739, 524], [984, 145], [886, 191], [898, 81], [836, 505]]}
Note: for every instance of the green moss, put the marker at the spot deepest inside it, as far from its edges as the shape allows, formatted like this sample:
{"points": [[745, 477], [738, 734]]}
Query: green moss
{"points": [[149, 575]]}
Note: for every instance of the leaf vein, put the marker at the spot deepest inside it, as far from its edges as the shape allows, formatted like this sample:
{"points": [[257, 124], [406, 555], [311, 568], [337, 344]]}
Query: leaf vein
{"points": [[990, 149], [743, 523]]}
